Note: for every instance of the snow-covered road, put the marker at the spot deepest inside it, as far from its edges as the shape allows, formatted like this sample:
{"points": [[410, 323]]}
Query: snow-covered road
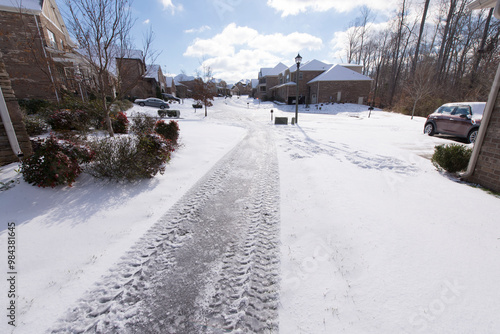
{"points": [[210, 265], [372, 238]]}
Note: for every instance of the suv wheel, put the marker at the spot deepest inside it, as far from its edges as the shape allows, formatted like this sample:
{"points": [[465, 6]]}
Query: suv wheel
{"points": [[142, 104], [429, 129], [471, 138], [162, 106]]}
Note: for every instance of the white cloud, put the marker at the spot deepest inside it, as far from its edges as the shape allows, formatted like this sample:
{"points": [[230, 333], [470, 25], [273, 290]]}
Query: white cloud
{"points": [[146, 21], [239, 52], [201, 29], [294, 7], [168, 5]]}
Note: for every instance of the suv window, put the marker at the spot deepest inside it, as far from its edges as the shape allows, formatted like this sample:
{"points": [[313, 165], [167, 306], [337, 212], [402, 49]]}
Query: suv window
{"points": [[446, 110], [464, 110]]}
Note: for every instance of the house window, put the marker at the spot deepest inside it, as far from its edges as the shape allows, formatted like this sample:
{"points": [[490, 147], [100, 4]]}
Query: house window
{"points": [[300, 76], [262, 88], [288, 77], [52, 39]]}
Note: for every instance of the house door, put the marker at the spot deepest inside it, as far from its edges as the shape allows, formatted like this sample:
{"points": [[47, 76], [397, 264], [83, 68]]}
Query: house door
{"points": [[339, 96], [360, 100], [314, 99]]}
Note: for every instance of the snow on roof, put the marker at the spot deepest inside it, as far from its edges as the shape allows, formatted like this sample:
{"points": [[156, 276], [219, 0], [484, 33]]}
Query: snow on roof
{"points": [[153, 72], [255, 83], [267, 71], [479, 4], [340, 73], [311, 65], [182, 77], [170, 81], [27, 6]]}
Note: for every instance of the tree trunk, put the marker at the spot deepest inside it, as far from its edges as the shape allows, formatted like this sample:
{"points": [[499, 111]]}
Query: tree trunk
{"points": [[421, 32]]}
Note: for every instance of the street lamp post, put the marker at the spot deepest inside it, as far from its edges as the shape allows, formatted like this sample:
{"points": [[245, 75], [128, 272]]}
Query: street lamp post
{"points": [[298, 59]]}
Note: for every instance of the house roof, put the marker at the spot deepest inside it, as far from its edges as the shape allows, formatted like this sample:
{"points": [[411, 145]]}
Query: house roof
{"points": [[266, 71], [255, 83], [311, 65], [479, 4], [182, 77], [340, 73], [153, 72]]}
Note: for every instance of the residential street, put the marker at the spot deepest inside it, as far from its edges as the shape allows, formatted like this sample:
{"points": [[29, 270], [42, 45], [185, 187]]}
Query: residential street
{"points": [[210, 265]]}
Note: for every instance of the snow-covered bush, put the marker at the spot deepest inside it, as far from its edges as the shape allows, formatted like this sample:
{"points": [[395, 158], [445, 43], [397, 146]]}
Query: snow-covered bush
{"points": [[168, 131], [452, 157], [35, 125], [142, 124], [130, 157], [66, 119], [54, 162]]}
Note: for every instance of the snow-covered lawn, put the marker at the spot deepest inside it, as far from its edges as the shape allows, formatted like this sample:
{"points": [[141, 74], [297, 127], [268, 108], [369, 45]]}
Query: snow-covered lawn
{"points": [[373, 238]]}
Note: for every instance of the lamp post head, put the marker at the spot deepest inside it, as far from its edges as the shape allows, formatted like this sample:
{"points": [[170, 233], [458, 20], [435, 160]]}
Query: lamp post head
{"points": [[298, 59]]}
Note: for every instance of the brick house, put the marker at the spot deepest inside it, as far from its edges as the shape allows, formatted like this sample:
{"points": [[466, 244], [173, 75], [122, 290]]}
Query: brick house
{"points": [[484, 165], [170, 88], [339, 84], [38, 53], [268, 78], [286, 89], [244, 87]]}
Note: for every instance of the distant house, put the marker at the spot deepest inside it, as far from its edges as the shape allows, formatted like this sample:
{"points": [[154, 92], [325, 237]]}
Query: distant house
{"points": [[155, 73], [170, 89], [484, 165], [286, 89], [268, 78], [184, 85], [320, 82], [339, 84], [38, 52], [244, 87], [255, 84]]}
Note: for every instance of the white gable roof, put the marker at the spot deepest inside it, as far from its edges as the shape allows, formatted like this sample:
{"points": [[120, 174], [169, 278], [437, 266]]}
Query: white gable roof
{"points": [[340, 73], [266, 71], [153, 72], [311, 65]]}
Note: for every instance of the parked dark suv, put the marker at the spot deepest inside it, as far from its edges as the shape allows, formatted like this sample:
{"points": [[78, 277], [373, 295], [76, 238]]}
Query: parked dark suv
{"points": [[461, 119]]}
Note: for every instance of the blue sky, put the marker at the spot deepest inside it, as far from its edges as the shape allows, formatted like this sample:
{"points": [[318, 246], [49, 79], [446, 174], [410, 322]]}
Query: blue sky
{"points": [[238, 37]]}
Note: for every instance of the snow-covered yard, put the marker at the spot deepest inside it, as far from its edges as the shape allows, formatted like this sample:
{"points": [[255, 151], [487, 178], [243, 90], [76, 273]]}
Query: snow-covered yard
{"points": [[373, 238]]}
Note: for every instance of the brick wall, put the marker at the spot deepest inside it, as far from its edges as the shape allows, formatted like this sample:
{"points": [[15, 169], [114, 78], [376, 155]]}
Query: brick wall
{"points": [[350, 90], [6, 154], [487, 171], [23, 56]]}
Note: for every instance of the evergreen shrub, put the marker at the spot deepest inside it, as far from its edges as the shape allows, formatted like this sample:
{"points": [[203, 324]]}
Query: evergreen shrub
{"points": [[452, 157]]}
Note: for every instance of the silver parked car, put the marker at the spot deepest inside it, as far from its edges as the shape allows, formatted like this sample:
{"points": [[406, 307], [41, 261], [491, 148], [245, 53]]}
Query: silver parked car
{"points": [[152, 102]]}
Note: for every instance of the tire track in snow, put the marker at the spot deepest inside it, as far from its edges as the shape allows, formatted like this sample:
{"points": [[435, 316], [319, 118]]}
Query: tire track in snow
{"points": [[210, 265]]}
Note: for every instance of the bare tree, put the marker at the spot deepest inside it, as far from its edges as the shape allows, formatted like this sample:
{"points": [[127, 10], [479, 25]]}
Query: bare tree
{"points": [[102, 29], [420, 85], [204, 88]]}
